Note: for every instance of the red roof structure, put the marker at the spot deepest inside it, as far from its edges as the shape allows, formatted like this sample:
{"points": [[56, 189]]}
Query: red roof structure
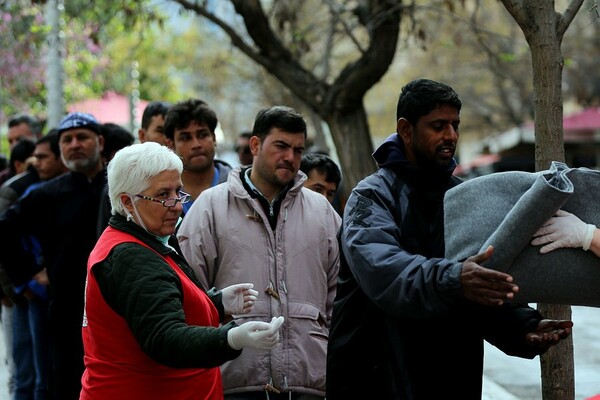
{"points": [[111, 107], [582, 126], [580, 131], [586, 120]]}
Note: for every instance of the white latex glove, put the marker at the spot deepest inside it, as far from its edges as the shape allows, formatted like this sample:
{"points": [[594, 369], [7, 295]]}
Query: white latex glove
{"points": [[238, 299], [564, 230], [255, 334]]}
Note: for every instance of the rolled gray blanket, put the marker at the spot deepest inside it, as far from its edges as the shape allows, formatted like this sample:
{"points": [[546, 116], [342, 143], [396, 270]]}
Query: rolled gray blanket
{"points": [[505, 209]]}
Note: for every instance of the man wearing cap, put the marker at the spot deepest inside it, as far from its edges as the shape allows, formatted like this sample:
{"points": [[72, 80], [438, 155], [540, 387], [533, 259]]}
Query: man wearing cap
{"points": [[62, 214]]}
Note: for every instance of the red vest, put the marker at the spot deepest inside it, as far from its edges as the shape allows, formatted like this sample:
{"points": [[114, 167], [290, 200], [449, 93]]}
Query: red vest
{"points": [[116, 367]]}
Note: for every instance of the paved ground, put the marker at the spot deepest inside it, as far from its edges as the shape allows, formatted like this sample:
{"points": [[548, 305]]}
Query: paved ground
{"points": [[506, 378]]}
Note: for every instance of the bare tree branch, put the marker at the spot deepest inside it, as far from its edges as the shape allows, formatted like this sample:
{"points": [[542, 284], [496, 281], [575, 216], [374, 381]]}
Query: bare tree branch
{"points": [[567, 16], [516, 8], [383, 26], [347, 28], [236, 39]]}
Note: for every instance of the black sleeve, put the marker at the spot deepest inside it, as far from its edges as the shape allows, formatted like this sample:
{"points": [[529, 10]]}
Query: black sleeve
{"points": [[141, 287], [19, 264], [505, 327], [104, 212], [216, 296]]}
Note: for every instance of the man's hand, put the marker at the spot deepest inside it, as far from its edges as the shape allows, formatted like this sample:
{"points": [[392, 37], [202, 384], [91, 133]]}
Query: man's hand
{"points": [[549, 332], [486, 286]]}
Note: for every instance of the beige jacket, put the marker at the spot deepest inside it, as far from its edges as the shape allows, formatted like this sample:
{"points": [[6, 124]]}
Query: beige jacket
{"points": [[226, 238]]}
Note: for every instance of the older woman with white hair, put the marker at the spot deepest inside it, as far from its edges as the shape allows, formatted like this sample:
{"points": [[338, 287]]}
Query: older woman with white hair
{"points": [[150, 331]]}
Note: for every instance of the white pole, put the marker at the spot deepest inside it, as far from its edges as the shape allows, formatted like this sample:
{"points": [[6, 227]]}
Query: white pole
{"points": [[56, 107], [134, 98]]}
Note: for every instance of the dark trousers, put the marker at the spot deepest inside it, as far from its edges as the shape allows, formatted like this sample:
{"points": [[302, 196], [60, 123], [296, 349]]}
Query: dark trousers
{"points": [[271, 396]]}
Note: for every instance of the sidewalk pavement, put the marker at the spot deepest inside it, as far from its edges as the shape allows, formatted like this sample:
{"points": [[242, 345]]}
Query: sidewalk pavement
{"points": [[505, 377]]}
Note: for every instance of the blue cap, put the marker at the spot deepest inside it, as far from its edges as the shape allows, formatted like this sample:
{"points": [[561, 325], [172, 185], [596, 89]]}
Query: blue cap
{"points": [[79, 120]]}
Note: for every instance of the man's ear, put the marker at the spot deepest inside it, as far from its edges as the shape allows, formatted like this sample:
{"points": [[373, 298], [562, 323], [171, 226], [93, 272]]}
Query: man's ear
{"points": [[254, 144], [170, 144], [101, 142], [405, 130]]}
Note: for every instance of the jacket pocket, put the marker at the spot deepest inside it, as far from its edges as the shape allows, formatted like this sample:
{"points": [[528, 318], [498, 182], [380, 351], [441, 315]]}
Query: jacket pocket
{"points": [[307, 342], [309, 318]]}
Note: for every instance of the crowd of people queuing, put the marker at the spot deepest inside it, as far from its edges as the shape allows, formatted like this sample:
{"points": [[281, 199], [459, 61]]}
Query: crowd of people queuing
{"points": [[150, 269]]}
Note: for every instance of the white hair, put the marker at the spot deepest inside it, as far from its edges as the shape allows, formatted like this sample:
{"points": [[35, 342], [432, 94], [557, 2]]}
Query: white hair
{"points": [[132, 168]]}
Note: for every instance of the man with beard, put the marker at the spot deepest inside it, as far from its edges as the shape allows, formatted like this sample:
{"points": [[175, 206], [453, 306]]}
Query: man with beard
{"points": [[408, 323], [264, 227], [62, 215], [190, 127]]}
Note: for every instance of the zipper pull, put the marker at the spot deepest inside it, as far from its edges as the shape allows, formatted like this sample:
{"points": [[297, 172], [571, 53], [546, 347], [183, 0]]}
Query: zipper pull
{"points": [[254, 217], [271, 388], [271, 292]]}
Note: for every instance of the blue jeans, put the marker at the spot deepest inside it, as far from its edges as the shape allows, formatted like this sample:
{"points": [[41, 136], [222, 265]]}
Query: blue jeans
{"points": [[30, 349]]}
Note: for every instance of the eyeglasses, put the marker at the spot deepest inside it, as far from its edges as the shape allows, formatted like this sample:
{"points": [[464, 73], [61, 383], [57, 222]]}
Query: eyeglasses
{"points": [[183, 198]]}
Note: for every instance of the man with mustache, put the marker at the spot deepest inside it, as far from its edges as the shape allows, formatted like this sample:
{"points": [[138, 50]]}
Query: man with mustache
{"points": [[190, 130], [62, 214], [407, 323], [264, 227]]}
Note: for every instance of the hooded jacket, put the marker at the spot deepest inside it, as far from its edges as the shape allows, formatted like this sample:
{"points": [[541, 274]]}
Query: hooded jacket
{"points": [[400, 325], [226, 238]]}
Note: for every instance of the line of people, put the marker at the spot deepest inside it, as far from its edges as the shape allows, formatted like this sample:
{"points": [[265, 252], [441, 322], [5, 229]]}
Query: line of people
{"points": [[173, 275], [85, 147]]}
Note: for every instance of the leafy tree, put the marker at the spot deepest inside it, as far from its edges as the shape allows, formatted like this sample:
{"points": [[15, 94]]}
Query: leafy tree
{"points": [[21, 37], [86, 27]]}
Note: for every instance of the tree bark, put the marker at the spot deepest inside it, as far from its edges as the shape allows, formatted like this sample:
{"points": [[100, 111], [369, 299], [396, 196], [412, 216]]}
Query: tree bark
{"points": [[351, 152]]}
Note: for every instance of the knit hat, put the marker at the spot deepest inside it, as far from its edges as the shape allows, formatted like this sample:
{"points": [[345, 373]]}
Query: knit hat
{"points": [[79, 120]]}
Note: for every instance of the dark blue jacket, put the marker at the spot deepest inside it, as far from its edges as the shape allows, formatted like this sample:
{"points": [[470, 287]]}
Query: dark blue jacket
{"points": [[401, 328]]}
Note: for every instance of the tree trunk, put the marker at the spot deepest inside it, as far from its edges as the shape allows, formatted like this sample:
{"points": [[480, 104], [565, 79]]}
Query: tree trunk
{"points": [[557, 364], [348, 132], [544, 29]]}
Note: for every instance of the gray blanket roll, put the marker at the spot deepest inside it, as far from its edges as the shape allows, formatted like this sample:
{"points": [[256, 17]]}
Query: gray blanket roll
{"points": [[505, 209]]}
